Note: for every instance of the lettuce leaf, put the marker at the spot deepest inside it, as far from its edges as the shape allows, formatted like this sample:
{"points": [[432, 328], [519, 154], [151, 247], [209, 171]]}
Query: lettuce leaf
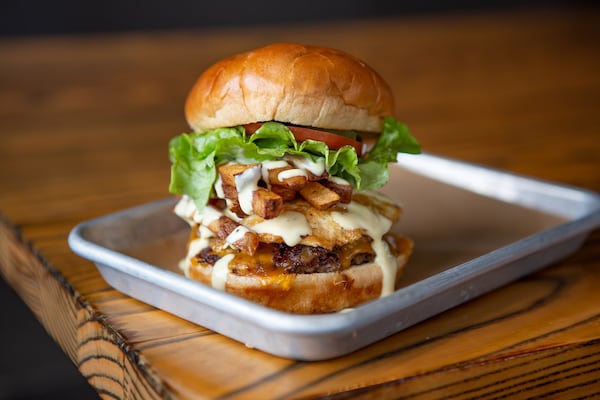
{"points": [[195, 156], [395, 138]]}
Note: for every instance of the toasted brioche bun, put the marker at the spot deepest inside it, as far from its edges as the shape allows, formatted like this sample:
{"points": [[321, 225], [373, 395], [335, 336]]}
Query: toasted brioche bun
{"points": [[290, 83], [309, 293]]}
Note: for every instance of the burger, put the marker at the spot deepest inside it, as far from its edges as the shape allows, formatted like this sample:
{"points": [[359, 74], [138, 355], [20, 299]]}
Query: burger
{"points": [[278, 180]]}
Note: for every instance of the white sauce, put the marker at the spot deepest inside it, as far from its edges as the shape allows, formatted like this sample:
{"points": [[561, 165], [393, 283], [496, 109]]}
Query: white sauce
{"points": [[195, 247], [184, 265], [208, 216], [246, 183], [316, 168], [291, 173], [220, 271], [337, 180], [185, 209], [230, 214], [219, 187], [274, 164], [237, 234], [291, 226], [268, 165], [361, 217], [197, 218]]}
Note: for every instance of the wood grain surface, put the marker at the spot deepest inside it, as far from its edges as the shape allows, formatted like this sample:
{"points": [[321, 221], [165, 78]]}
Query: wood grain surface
{"points": [[85, 122]]}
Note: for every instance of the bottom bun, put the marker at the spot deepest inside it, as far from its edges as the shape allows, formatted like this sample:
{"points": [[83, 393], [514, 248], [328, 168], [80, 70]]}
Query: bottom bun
{"points": [[307, 293]]}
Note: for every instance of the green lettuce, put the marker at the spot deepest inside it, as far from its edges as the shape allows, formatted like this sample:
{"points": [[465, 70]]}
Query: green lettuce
{"points": [[395, 138], [195, 157]]}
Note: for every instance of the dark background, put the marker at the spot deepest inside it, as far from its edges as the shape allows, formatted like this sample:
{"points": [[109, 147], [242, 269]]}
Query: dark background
{"points": [[31, 365], [39, 17]]}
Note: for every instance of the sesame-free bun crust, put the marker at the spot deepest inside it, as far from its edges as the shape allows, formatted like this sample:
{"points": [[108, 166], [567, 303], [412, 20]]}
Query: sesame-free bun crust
{"points": [[290, 83], [308, 293]]}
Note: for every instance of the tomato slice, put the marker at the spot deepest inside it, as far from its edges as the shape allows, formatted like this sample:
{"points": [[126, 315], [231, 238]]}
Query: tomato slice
{"points": [[301, 134]]}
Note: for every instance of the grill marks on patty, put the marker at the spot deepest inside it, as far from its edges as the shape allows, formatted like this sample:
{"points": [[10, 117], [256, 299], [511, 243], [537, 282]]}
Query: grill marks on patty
{"points": [[301, 259]]}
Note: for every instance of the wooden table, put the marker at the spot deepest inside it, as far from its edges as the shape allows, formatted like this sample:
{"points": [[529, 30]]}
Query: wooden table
{"points": [[85, 123]]}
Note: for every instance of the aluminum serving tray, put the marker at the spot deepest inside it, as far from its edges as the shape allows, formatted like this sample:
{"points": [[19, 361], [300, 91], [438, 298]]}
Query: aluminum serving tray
{"points": [[474, 229]]}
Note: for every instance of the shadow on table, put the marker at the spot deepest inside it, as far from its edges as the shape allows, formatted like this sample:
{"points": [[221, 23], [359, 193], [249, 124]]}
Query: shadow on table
{"points": [[32, 366]]}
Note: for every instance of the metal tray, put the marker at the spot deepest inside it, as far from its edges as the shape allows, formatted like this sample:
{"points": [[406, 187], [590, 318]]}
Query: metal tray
{"points": [[474, 229]]}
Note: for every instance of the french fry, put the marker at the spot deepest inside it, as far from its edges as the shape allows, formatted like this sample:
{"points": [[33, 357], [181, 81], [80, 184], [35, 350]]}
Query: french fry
{"points": [[266, 204], [224, 227], [319, 196], [217, 203], [290, 177], [248, 243], [228, 173], [286, 193], [343, 190], [284, 184], [312, 177]]}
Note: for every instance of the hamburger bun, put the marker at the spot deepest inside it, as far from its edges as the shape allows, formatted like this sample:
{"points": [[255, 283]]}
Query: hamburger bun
{"points": [[290, 83], [278, 180], [313, 293]]}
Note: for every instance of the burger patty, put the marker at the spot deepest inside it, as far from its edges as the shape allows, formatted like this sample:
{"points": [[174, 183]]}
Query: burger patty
{"points": [[302, 259]]}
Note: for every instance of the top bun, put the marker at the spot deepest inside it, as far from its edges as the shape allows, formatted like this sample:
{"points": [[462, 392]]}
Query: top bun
{"points": [[290, 83]]}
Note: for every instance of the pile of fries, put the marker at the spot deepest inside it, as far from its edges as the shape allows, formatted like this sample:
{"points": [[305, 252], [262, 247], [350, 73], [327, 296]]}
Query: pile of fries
{"points": [[283, 184]]}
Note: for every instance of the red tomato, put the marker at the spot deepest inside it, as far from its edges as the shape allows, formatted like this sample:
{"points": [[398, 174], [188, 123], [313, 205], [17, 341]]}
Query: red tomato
{"points": [[301, 134]]}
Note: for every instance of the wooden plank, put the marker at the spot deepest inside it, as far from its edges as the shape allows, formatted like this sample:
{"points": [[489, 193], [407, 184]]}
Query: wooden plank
{"points": [[101, 353], [164, 355], [85, 125]]}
